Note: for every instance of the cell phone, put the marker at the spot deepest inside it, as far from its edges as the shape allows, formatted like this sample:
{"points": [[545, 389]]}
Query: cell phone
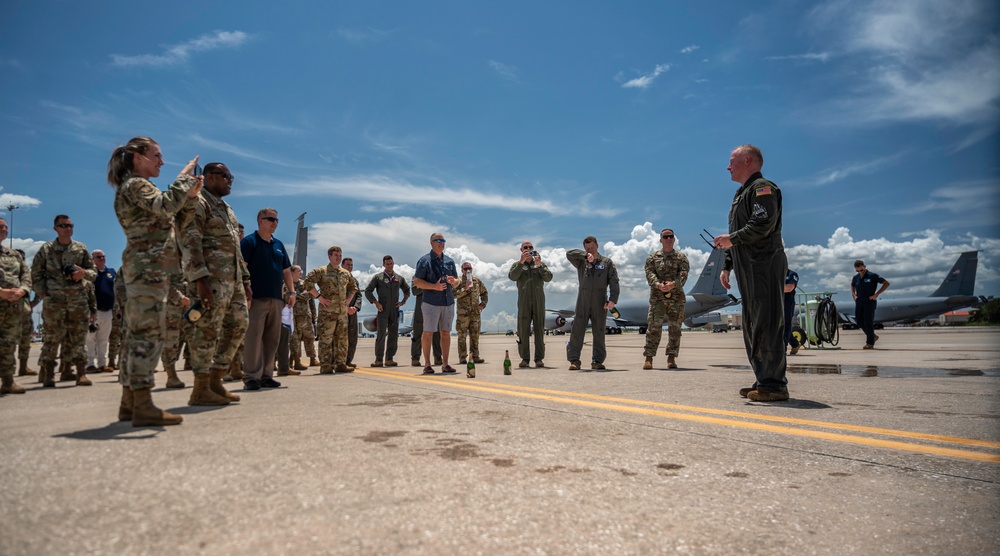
{"points": [[197, 169]]}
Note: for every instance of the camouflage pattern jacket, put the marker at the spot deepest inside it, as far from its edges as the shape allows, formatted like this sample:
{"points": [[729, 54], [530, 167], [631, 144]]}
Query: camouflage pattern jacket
{"points": [[148, 216], [335, 284], [667, 267], [47, 276], [14, 273], [467, 298], [210, 241]]}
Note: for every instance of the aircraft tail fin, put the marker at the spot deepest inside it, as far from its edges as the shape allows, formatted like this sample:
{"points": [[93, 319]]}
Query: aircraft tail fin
{"points": [[708, 280], [961, 280]]}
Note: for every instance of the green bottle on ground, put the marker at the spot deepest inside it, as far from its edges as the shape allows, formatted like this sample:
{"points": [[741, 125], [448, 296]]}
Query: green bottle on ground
{"points": [[470, 369], [506, 362]]}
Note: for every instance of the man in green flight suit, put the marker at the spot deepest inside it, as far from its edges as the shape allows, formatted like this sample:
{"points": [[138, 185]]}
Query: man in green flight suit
{"points": [[530, 273]]}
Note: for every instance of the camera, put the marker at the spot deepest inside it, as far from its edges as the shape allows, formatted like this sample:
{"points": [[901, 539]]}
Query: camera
{"points": [[93, 327], [68, 269], [534, 253]]}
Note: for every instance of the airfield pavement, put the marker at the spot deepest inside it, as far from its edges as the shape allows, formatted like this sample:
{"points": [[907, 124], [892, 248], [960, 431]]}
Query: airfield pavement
{"points": [[892, 451]]}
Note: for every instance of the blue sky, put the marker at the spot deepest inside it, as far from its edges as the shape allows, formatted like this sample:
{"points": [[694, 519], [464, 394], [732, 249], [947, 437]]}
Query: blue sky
{"points": [[495, 123]]}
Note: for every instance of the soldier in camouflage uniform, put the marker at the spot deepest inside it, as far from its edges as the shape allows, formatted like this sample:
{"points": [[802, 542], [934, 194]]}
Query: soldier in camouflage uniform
{"points": [[15, 286], [305, 316], [177, 330], [383, 292], [332, 286], [120, 297], [471, 298], [352, 318], [235, 371], [27, 327], [58, 273], [147, 216], [666, 272], [214, 264]]}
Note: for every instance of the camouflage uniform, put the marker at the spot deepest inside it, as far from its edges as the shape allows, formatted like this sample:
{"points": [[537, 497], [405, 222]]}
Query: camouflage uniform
{"points": [[65, 311], [210, 242], [14, 273], [305, 316], [468, 321], [384, 288], [178, 329], [121, 296], [665, 267], [147, 217], [24, 344], [334, 284], [352, 321]]}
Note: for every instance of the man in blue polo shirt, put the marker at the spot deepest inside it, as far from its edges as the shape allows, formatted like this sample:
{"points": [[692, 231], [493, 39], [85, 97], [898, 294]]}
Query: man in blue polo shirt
{"points": [[436, 275], [104, 290], [270, 268], [863, 290]]}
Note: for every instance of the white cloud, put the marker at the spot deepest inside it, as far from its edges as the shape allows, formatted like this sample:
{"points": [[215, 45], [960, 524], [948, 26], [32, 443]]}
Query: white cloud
{"points": [[181, 53], [646, 80], [844, 171], [19, 201], [809, 57], [921, 60], [689, 49], [973, 202], [238, 151], [503, 70]]}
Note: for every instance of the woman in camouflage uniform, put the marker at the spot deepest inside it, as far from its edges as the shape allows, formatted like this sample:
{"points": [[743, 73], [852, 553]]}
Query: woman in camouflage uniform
{"points": [[147, 217]]}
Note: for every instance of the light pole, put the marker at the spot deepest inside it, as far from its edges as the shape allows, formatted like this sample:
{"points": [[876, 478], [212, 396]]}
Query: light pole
{"points": [[11, 208]]}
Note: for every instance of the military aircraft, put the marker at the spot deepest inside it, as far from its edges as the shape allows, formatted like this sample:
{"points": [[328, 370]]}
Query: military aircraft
{"points": [[706, 295], [368, 322], [955, 292]]}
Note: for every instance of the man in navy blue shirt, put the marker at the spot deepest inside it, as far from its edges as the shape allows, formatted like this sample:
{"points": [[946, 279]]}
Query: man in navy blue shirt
{"points": [[791, 281], [436, 275], [863, 289], [104, 290], [270, 268]]}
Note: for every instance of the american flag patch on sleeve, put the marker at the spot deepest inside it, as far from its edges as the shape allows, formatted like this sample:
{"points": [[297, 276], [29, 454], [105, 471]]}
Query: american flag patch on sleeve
{"points": [[766, 190]]}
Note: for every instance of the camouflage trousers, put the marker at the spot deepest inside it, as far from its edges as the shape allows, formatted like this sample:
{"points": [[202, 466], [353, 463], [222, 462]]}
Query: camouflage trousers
{"points": [[65, 324], [303, 333], [220, 331], [24, 344], [468, 324], [332, 329], [144, 326], [178, 331], [11, 316], [674, 313], [115, 340]]}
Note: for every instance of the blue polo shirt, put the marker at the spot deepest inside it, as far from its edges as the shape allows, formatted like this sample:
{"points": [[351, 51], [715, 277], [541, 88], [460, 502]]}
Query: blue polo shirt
{"points": [[267, 261], [104, 288], [867, 286], [791, 277], [431, 268]]}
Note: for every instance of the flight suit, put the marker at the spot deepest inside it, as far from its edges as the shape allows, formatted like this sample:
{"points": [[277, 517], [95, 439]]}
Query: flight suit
{"points": [[758, 259], [530, 306], [673, 267], [596, 279], [468, 322], [384, 288]]}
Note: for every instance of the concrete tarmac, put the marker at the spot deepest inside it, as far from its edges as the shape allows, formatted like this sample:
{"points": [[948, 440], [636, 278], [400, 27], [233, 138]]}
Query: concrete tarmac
{"points": [[891, 451]]}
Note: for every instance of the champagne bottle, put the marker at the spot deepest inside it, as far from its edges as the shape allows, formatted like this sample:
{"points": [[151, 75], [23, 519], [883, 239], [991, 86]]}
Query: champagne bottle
{"points": [[506, 362], [470, 369], [615, 313]]}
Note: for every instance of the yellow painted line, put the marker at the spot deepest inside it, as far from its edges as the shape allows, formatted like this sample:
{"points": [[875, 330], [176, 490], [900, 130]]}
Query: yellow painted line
{"points": [[584, 400]]}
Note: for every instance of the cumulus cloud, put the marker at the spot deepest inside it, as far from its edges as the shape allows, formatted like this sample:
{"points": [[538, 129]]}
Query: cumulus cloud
{"points": [[181, 53], [19, 201], [645, 81]]}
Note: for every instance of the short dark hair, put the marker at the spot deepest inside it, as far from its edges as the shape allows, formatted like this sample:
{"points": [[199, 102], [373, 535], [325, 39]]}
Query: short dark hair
{"points": [[332, 249], [589, 239], [666, 230], [59, 217], [858, 263], [387, 258], [346, 259], [213, 166]]}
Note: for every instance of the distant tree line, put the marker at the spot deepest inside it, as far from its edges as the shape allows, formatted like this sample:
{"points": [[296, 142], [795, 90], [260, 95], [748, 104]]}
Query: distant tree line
{"points": [[989, 313]]}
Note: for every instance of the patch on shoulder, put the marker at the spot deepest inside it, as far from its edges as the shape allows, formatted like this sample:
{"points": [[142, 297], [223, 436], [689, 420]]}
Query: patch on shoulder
{"points": [[766, 190]]}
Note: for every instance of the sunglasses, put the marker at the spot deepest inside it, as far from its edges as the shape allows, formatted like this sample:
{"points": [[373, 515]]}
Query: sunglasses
{"points": [[667, 236], [64, 225], [526, 248], [269, 219], [225, 175], [439, 240], [99, 256]]}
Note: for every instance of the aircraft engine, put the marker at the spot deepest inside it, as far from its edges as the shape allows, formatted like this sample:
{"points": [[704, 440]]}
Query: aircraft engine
{"points": [[369, 324], [554, 321]]}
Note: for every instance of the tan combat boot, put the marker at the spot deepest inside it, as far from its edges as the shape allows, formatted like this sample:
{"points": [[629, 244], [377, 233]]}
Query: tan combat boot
{"points": [[23, 370], [66, 372], [313, 362], [9, 386], [48, 375], [299, 366], [81, 377], [648, 364], [671, 362], [172, 380], [236, 370], [203, 394], [215, 383], [145, 414], [125, 407]]}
